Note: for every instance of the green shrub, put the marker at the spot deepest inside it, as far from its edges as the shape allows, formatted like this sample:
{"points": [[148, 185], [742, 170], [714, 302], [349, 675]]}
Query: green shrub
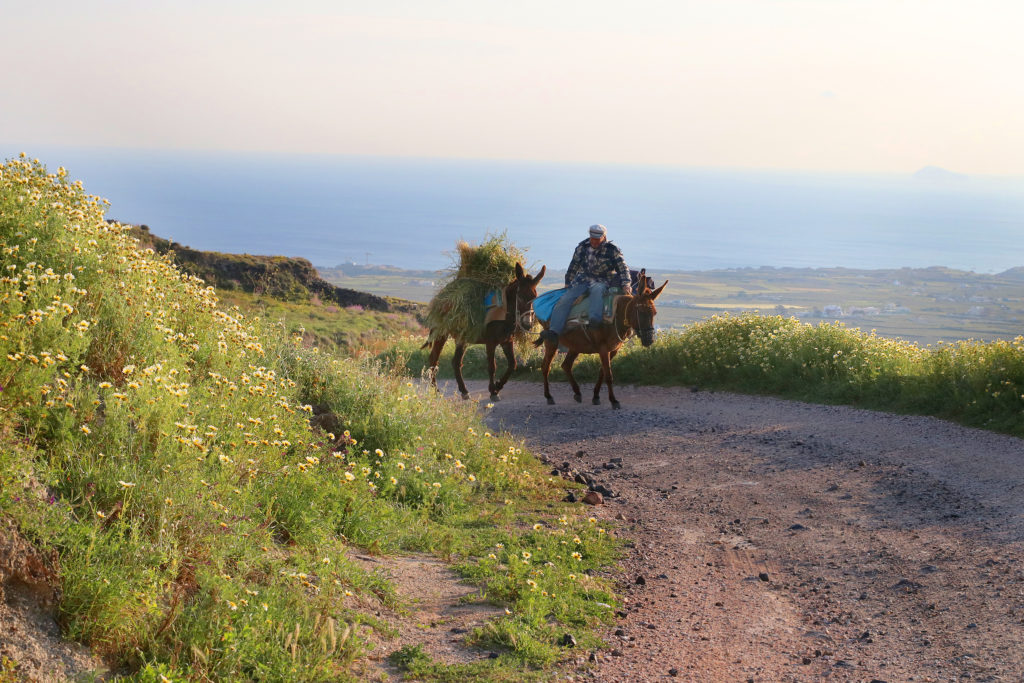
{"points": [[978, 384]]}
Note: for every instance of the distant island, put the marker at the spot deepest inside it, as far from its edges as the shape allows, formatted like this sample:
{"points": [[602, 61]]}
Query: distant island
{"points": [[935, 174]]}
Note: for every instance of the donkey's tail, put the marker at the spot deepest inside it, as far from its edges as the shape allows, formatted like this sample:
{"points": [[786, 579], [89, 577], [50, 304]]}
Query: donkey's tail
{"points": [[432, 337]]}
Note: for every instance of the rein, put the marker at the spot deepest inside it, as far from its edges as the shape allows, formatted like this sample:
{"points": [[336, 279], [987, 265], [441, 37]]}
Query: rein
{"points": [[625, 321]]}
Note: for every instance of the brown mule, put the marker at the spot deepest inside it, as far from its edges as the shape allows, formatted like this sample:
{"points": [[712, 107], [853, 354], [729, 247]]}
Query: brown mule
{"points": [[632, 314], [520, 292]]}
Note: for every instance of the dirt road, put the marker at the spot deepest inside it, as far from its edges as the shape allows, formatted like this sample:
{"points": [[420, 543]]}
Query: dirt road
{"points": [[779, 541]]}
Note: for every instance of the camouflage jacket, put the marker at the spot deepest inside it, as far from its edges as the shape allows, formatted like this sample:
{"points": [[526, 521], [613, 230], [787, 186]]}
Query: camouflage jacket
{"points": [[604, 264]]}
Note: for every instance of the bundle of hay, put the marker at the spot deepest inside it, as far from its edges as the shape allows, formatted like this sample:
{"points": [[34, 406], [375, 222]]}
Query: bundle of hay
{"points": [[457, 310]]}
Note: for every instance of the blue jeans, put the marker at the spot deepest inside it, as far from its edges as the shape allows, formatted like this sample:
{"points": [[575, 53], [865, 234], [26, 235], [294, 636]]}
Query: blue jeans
{"points": [[560, 313]]}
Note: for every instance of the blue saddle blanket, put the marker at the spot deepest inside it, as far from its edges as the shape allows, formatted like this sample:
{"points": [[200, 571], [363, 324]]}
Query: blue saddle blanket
{"points": [[494, 298], [544, 304]]}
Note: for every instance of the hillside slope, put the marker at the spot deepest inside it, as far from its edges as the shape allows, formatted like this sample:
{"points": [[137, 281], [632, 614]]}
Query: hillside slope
{"points": [[190, 490], [282, 277]]}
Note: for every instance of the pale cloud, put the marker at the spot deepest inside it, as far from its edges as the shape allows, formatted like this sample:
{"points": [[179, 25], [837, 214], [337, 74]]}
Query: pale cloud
{"points": [[738, 83]]}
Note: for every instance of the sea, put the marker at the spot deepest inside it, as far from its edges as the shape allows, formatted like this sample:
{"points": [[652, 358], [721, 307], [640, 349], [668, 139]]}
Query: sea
{"points": [[410, 213]]}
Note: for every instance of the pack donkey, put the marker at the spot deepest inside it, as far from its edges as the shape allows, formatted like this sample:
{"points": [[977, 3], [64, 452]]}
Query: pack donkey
{"points": [[518, 318]]}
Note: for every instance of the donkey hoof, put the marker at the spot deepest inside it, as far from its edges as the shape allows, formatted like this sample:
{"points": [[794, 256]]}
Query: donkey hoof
{"points": [[596, 401], [616, 405], [551, 401], [577, 398], [465, 395], [494, 396]]}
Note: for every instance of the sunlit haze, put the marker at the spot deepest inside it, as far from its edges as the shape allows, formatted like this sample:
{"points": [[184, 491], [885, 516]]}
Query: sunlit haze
{"points": [[842, 85]]}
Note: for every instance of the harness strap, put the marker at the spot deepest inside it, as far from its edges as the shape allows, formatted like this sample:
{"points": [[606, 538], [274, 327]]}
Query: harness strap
{"points": [[514, 314], [625, 321]]}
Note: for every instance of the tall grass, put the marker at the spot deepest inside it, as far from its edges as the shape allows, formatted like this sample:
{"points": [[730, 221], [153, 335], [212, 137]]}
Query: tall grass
{"points": [[201, 476], [457, 308], [976, 383]]}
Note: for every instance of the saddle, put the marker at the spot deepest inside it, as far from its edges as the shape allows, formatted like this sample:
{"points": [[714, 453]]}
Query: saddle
{"points": [[579, 314]]}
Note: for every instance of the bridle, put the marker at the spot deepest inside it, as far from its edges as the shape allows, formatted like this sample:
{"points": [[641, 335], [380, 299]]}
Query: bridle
{"points": [[522, 321], [646, 334]]}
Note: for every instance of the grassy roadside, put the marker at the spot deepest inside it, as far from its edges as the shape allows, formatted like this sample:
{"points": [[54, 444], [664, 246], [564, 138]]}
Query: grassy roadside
{"points": [[198, 477], [980, 384], [345, 331]]}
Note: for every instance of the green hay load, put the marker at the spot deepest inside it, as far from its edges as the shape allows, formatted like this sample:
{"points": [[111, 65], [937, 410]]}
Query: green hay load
{"points": [[457, 310]]}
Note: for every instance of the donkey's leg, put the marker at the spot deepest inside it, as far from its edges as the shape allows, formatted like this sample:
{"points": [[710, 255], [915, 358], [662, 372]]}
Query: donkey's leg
{"points": [[605, 375], [510, 367], [435, 352], [606, 370], [600, 373], [545, 368], [492, 366], [570, 358], [460, 351]]}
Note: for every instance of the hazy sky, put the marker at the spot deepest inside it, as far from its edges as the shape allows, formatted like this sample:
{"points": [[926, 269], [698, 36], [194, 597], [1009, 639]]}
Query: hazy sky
{"points": [[851, 85]]}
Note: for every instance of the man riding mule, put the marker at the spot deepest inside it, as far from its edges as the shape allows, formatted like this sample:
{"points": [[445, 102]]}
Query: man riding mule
{"points": [[596, 266], [630, 315]]}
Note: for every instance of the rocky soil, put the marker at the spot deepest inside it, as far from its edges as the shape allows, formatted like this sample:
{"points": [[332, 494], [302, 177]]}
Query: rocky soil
{"points": [[281, 277], [770, 540], [31, 646]]}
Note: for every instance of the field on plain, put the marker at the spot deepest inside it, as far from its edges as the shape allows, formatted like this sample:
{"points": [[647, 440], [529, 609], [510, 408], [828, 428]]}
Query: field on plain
{"points": [[919, 305]]}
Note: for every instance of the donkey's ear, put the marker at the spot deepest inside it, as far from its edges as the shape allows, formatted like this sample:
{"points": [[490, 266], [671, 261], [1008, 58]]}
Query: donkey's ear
{"points": [[519, 271], [540, 276], [655, 293], [641, 282]]}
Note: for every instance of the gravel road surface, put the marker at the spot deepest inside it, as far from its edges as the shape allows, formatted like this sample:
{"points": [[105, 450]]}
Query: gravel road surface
{"points": [[772, 540]]}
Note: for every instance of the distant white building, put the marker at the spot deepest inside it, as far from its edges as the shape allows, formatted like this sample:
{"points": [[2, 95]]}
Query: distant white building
{"points": [[832, 311]]}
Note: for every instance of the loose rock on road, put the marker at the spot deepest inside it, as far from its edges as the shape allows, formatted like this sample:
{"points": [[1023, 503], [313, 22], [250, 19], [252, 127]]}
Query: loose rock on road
{"points": [[770, 540]]}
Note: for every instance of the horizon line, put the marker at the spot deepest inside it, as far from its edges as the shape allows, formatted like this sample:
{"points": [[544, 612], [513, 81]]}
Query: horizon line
{"points": [[23, 148]]}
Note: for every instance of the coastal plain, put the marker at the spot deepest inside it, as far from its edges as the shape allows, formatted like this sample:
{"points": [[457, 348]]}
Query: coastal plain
{"points": [[921, 305]]}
